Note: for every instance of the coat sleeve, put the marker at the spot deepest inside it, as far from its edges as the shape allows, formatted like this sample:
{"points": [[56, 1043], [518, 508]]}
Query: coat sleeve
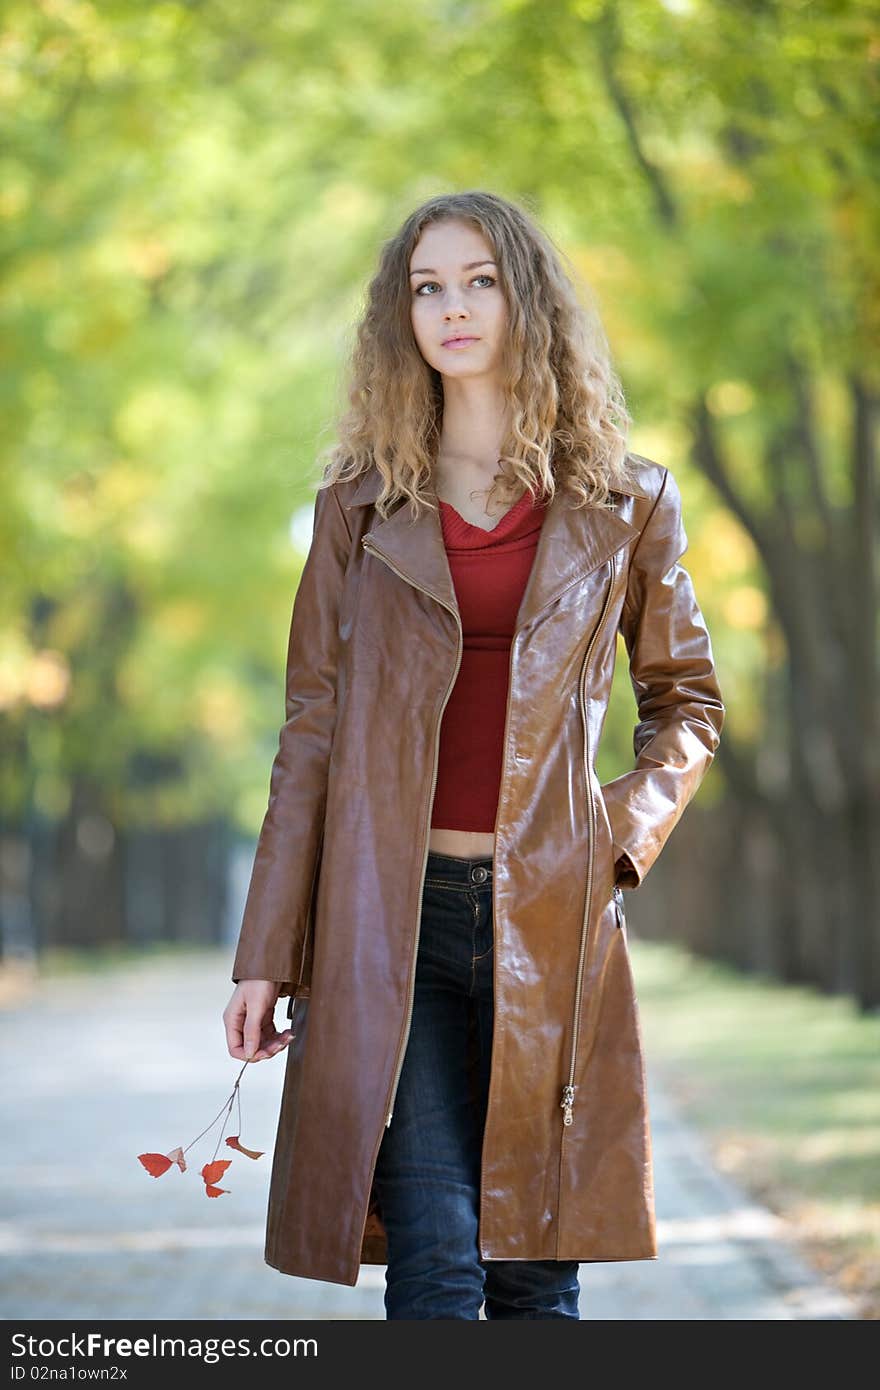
{"points": [[272, 940], [680, 711]]}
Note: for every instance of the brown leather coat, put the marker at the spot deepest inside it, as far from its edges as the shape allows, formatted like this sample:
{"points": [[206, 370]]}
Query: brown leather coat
{"points": [[333, 908]]}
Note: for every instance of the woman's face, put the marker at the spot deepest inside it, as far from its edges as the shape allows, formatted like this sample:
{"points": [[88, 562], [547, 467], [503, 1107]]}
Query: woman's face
{"points": [[455, 293]]}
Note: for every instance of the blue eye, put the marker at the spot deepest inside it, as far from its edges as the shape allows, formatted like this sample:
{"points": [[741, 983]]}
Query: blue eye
{"points": [[426, 284]]}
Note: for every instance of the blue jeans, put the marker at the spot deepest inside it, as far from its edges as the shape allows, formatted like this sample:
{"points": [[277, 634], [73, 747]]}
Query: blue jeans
{"points": [[428, 1168]]}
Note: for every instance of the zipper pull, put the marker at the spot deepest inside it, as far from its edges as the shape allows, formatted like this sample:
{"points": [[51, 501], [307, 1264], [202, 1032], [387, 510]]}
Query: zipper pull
{"points": [[566, 1103], [618, 905]]}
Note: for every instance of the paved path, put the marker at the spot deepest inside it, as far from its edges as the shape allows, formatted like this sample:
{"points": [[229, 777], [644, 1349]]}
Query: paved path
{"points": [[101, 1068]]}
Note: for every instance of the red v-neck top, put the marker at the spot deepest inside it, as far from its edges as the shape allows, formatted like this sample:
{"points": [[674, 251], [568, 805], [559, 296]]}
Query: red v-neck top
{"points": [[489, 571]]}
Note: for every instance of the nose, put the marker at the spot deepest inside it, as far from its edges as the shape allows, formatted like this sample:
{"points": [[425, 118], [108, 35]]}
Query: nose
{"points": [[455, 305]]}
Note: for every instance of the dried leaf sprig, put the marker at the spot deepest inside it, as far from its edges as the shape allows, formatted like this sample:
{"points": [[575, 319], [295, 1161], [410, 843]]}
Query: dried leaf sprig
{"points": [[156, 1164]]}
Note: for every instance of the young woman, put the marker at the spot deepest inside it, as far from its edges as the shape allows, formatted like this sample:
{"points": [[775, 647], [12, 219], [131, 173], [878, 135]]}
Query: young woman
{"points": [[438, 880]]}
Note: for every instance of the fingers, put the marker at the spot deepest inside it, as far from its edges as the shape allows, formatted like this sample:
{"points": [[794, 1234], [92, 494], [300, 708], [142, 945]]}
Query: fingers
{"points": [[276, 1045], [262, 1053], [250, 1030], [233, 1020], [257, 1050]]}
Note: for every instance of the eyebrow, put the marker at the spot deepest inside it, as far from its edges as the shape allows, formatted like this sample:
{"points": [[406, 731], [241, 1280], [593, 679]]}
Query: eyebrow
{"points": [[471, 265]]}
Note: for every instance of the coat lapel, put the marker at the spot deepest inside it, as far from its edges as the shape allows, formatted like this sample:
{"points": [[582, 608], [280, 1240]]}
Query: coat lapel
{"points": [[572, 543]]}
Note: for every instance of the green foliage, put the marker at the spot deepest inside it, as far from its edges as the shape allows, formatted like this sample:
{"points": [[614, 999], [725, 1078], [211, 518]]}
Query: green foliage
{"points": [[191, 198]]}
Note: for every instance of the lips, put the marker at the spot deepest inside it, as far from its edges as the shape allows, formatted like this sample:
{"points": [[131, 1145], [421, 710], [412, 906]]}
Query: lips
{"points": [[462, 340]]}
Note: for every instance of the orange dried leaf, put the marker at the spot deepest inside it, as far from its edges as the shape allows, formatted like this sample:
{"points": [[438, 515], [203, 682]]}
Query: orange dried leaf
{"points": [[212, 1191], [212, 1171], [232, 1141], [155, 1164]]}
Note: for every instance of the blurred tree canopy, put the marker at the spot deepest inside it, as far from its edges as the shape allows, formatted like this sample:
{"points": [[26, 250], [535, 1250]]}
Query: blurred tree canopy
{"points": [[192, 196]]}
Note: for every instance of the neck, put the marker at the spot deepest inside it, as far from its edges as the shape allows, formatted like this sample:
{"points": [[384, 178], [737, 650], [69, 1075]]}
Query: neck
{"points": [[473, 431]]}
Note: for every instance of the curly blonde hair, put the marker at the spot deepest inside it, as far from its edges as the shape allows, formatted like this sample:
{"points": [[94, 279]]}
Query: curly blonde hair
{"points": [[566, 406]]}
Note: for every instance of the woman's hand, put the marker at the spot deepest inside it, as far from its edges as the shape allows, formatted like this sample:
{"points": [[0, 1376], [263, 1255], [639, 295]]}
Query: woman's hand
{"points": [[249, 1020]]}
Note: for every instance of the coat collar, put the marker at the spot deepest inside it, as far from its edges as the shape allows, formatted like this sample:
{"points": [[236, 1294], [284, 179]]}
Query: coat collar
{"points": [[571, 544], [370, 485]]}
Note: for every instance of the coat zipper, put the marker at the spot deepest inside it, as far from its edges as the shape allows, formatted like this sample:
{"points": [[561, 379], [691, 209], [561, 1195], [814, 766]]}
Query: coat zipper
{"points": [[513, 642], [567, 1102], [374, 550]]}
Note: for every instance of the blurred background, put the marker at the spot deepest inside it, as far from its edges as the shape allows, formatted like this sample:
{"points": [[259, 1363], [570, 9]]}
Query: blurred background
{"points": [[192, 198]]}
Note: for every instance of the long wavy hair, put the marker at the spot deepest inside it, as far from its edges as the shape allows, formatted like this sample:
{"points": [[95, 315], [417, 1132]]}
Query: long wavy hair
{"points": [[568, 417]]}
